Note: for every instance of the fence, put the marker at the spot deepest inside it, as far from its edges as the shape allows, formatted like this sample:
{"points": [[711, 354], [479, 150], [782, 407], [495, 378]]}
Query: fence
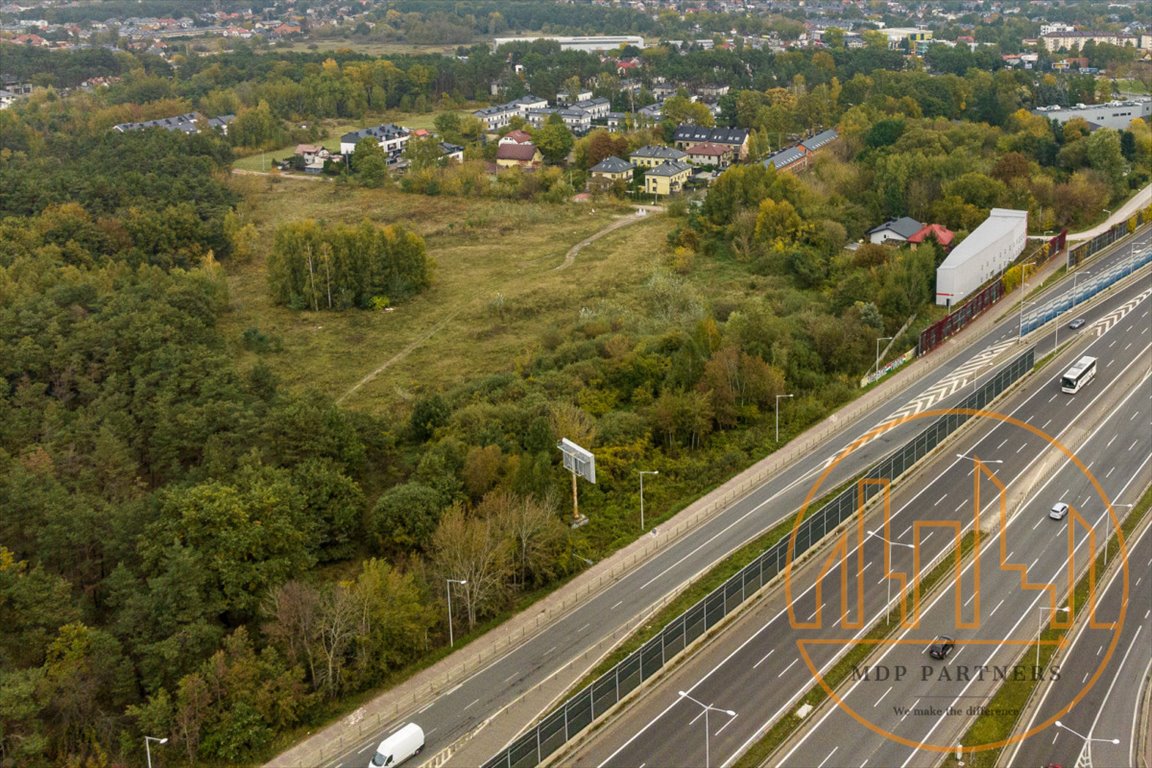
{"points": [[1109, 236], [935, 334], [578, 712], [1082, 290]]}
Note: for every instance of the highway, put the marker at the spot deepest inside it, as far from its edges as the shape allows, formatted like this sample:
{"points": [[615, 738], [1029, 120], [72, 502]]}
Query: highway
{"points": [[1109, 711], [754, 668], [468, 705]]}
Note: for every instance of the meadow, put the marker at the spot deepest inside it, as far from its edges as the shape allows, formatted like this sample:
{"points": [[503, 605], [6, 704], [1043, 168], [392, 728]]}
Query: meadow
{"points": [[496, 287]]}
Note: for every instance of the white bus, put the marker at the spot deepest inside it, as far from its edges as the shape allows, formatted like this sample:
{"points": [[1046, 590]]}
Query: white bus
{"points": [[1078, 375]]}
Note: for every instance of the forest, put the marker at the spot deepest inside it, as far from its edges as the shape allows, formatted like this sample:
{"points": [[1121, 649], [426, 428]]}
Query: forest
{"points": [[192, 548]]}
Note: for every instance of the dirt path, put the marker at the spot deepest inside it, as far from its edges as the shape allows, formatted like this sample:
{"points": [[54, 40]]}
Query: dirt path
{"points": [[641, 214], [308, 177], [569, 258]]}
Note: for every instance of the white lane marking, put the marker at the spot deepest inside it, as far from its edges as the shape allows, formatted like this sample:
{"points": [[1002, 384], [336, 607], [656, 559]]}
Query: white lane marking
{"points": [[1022, 447], [787, 667], [506, 680], [970, 599], [1109, 473], [927, 537], [1034, 562], [824, 762], [883, 695], [1134, 444], [428, 706], [1001, 443], [764, 659], [474, 701], [997, 606], [910, 710], [1109, 445], [457, 687], [362, 751], [730, 721], [1037, 523], [584, 627], [618, 604], [959, 506]]}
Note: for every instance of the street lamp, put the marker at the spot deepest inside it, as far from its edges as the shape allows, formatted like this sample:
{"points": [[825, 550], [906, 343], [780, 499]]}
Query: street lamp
{"points": [[148, 749], [1040, 627], [1107, 517], [642, 473], [888, 613], [448, 588], [1075, 280], [1086, 751], [707, 735], [1023, 304], [882, 338], [778, 416]]}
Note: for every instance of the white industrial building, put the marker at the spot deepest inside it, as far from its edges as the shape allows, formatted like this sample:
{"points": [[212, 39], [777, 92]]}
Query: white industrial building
{"points": [[985, 253], [1114, 114], [590, 43]]}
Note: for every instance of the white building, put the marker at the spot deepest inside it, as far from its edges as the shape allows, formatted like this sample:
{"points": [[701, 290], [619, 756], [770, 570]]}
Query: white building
{"points": [[1114, 114], [985, 253], [582, 43]]}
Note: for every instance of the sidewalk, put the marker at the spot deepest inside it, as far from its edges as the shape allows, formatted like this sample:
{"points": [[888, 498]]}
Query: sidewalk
{"points": [[499, 728], [1141, 199]]}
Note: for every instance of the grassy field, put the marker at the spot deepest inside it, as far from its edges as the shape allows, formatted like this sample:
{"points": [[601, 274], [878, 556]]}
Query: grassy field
{"points": [[262, 161], [496, 288]]}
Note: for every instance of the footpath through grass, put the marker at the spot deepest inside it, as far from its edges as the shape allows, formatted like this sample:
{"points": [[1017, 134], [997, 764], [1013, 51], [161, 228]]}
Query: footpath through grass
{"points": [[1010, 702]]}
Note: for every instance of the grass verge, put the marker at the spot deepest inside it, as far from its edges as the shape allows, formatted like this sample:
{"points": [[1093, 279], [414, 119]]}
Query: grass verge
{"points": [[788, 725], [1013, 695]]}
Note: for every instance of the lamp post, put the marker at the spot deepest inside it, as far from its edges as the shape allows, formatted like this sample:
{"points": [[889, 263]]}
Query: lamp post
{"points": [[1075, 280], [887, 613], [882, 338], [778, 415], [448, 589], [642, 473], [1023, 303], [1040, 627], [1106, 536], [707, 734], [1085, 758], [148, 749]]}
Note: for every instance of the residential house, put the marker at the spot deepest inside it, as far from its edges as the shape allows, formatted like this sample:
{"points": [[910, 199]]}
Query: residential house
{"points": [[516, 137], [785, 159], [314, 156], [189, 123], [598, 108], [653, 155], [452, 152], [523, 155], [616, 121], [898, 230], [577, 120], [391, 137], [686, 135], [667, 178], [566, 99], [498, 116], [937, 232], [715, 155], [650, 115], [612, 169]]}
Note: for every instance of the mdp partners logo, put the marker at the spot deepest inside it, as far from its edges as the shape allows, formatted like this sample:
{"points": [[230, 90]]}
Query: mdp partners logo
{"points": [[987, 517]]}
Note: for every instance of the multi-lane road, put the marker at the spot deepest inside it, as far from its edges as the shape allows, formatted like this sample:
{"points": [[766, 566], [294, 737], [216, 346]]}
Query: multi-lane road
{"points": [[1108, 713], [756, 669], [460, 709]]}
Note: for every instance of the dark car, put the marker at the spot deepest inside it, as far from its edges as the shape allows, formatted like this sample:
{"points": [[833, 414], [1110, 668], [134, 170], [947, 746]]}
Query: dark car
{"points": [[941, 648], [1077, 323]]}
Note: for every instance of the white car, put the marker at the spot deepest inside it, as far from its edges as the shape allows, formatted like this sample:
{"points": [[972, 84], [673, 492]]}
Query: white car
{"points": [[1059, 510]]}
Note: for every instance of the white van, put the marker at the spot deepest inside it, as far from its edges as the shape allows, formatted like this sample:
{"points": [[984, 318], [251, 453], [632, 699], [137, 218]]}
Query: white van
{"points": [[398, 747]]}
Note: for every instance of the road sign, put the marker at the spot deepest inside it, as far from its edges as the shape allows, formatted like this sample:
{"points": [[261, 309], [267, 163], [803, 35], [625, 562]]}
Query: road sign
{"points": [[577, 460]]}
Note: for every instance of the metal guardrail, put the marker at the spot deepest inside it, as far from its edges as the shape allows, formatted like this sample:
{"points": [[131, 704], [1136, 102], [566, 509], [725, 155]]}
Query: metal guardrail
{"points": [[577, 713]]}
